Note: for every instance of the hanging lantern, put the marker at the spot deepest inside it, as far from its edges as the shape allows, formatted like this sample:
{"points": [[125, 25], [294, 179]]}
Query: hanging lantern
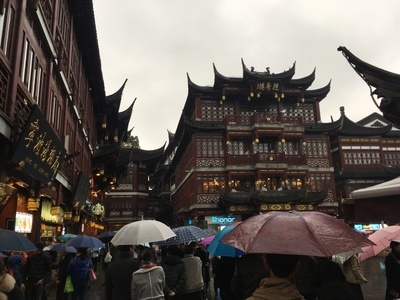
{"points": [[67, 215], [76, 219], [55, 211], [33, 204]]}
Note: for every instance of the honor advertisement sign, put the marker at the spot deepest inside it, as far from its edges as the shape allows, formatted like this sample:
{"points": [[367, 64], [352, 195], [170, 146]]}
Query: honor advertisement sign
{"points": [[223, 219]]}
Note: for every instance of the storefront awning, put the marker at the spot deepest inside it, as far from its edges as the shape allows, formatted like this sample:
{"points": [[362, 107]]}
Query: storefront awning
{"points": [[389, 188]]}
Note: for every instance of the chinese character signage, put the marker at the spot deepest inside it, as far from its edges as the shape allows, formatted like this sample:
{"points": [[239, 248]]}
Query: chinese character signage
{"points": [[267, 87], [39, 152], [81, 191]]}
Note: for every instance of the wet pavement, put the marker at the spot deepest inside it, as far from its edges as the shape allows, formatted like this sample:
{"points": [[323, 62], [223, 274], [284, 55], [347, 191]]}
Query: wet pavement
{"points": [[373, 269]]}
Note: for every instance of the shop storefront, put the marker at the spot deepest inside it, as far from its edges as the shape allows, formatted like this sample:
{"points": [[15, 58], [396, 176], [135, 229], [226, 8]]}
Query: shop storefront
{"points": [[217, 223]]}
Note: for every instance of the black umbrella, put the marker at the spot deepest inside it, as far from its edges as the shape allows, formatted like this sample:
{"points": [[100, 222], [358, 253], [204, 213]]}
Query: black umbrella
{"points": [[15, 241], [106, 236]]}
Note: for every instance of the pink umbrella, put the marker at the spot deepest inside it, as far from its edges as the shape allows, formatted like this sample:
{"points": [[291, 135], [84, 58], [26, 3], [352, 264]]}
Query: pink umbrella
{"points": [[207, 240], [382, 239]]}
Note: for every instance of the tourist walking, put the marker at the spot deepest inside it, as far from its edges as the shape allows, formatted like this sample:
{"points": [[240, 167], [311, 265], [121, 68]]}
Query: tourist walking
{"points": [[78, 269], [392, 266], [175, 273], [149, 281], [119, 274], [37, 270], [194, 269], [354, 276]]}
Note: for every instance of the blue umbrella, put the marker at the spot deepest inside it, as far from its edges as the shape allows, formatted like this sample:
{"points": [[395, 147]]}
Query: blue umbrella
{"points": [[58, 247], [216, 248], [85, 241], [185, 234], [14, 241]]}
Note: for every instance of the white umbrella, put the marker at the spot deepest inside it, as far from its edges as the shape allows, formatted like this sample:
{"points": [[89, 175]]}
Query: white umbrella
{"points": [[143, 231]]}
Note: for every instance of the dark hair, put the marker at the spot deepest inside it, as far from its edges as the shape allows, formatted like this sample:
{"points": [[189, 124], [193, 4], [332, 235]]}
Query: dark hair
{"points": [[188, 249], [147, 255], [282, 265], [39, 245], [173, 250], [124, 248], [83, 252], [393, 244]]}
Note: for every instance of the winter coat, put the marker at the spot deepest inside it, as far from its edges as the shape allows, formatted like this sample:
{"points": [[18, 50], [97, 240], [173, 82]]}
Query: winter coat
{"points": [[148, 283], [37, 267], [276, 289], [352, 271], [194, 271], [119, 276], [8, 288], [175, 274], [14, 265], [78, 268], [249, 272]]}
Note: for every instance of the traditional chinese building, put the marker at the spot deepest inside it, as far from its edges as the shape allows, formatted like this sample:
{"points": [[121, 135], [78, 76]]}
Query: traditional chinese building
{"points": [[384, 85], [364, 154], [52, 95], [244, 146]]}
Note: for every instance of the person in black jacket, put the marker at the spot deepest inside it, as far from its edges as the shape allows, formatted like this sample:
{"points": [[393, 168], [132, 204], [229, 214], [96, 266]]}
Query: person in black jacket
{"points": [[37, 270], [62, 275], [249, 272], [119, 274], [175, 273], [392, 266]]}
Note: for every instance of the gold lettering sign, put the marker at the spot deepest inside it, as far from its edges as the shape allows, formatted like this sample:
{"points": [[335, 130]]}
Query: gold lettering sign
{"points": [[267, 86]]}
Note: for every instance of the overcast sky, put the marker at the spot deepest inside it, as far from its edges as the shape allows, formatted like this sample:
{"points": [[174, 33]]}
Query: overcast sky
{"points": [[155, 43]]}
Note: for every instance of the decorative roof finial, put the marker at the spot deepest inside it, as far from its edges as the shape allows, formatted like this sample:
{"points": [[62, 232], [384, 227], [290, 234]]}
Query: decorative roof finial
{"points": [[268, 72], [252, 69]]}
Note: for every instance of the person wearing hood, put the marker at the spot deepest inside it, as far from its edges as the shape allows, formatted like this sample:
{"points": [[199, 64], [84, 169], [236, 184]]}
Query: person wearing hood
{"points": [[14, 265], [279, 286], [149, 281], [175, 273], [8, 288], [78, 269]]}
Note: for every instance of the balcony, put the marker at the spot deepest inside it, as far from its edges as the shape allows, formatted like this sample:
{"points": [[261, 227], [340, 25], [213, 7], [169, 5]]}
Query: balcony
{"points": [[260, 119]]}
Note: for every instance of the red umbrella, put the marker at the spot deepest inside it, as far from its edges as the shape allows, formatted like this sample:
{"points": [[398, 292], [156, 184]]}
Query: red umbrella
{"points": [[298, 233], [381, 238]]}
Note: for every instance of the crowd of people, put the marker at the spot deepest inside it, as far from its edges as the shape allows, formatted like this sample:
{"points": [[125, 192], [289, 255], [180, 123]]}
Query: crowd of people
{"points": [[181, 272]]}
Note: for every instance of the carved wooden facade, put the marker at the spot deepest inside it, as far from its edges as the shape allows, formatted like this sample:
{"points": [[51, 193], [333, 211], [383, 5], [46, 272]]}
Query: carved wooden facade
{"points": [[243, 147]]}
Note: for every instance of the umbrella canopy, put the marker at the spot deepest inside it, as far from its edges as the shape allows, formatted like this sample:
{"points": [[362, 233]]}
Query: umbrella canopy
{"points": [[85, 241], [185, 234], [298, 233], [14, 241], [216, 248], [207, 240], [143, 231], [66, 237], [106, 236], [2, 255], [381, 238], [58, 247]]}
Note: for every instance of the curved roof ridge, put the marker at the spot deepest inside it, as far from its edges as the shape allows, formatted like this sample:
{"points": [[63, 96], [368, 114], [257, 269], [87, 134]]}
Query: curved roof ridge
{"points": [[212, 125], [127, 113], [117, 96], [304, 82], [251, 74], [196, 87], [349, 127], [222, 80], [364, 69], [318, 94]]}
